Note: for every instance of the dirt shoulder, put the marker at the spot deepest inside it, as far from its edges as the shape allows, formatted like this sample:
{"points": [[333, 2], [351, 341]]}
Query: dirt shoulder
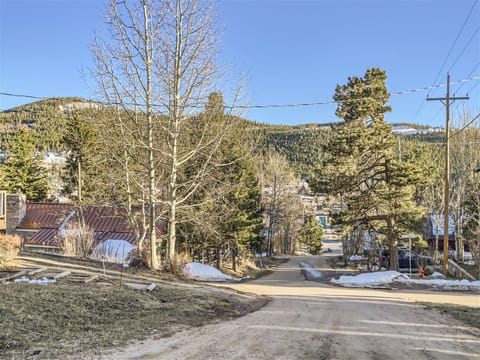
{"points": [[63, 320], [70, 319]]}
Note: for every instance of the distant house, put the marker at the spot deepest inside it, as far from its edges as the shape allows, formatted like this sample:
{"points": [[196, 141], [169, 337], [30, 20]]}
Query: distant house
{"points": [[434, 229], [304, 190]]}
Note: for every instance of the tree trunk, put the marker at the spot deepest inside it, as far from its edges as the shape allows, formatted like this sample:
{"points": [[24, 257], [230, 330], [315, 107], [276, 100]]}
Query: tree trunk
{"points": [[79, 166], [151, 164], [392, 245], [234, 260], [219, 257]]}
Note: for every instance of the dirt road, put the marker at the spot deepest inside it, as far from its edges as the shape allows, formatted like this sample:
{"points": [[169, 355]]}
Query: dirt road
{"points": [[307, 320]]}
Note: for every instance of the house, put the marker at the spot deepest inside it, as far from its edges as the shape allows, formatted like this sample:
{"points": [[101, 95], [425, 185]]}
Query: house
{"points": [[39, 225], [434, 229], [44, 226], [51, 222]]}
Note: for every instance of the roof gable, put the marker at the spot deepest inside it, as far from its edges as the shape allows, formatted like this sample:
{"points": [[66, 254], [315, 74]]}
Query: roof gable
{"points": [[44, 216]]}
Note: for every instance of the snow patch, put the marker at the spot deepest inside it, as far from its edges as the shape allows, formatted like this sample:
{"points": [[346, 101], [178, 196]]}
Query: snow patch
{"points": [[117, 251], [43, 281], [437, 275], [201, 272], [369, 279], [388, 277], [308, 270]]}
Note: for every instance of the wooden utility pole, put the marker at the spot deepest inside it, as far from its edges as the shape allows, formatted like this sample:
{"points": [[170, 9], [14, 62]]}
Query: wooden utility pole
{"points": [[447, 100]]}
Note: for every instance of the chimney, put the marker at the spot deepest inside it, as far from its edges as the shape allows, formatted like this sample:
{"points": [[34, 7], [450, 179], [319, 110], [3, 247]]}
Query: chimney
{"points": [[16, 211]]}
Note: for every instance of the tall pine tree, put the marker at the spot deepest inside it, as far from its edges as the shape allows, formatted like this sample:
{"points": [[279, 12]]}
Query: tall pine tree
{"points": [[377, 189]]}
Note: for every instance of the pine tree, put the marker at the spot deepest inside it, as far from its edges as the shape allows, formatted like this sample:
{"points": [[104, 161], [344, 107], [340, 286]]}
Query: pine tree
{"points": [[377, 189], [80, 138], [312, 233], [22, 171], [226, 213]]}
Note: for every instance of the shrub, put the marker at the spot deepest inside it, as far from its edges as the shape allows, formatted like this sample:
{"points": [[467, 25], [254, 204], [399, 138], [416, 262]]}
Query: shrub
{"points": [[78, 240], [9, 249], [175, 265]]}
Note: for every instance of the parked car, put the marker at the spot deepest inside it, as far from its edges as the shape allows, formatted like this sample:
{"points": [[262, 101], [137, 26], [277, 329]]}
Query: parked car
{"points": [[407, 259]]}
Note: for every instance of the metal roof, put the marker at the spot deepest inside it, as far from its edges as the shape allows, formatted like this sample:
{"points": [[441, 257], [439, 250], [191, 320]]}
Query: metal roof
{"points": [[44, 215]]}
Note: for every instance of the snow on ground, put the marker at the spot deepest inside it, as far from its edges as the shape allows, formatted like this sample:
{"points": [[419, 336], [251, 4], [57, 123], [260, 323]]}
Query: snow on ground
{"points": [[387, 277], [309, 271], [369, 279], [43, 281], [117, 251], [203, 272]]}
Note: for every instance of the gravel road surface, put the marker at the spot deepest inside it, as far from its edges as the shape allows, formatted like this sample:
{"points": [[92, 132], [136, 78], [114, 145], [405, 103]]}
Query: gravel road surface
{"points": [[310, 320]]}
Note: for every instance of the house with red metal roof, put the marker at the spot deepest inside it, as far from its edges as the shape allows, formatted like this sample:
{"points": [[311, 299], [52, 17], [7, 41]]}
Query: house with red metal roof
{"points": [[43, 226], [50, 222]]}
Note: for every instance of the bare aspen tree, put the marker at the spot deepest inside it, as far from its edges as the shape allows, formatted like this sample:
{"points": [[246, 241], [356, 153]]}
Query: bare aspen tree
{"points": [[158, 68], [125, 73], [189, 75], [465, 147], [281, 201]]}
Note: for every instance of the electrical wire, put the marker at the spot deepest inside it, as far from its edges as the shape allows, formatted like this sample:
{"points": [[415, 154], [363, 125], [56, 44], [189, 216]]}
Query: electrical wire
{"points": [[317, 103], [422, 104], [469, 75], [454, 42], [464, 48], [465, 126]]}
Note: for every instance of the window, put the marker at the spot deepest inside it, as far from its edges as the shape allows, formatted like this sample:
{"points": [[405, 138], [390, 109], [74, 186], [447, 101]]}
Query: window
{"points": [[3, 203]]}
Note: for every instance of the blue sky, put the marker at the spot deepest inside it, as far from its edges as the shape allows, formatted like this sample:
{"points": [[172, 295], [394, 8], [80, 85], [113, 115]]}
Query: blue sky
{"points": [[291, 52]]}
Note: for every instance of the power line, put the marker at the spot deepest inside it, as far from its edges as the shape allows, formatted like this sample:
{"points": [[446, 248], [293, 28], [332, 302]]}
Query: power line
{"points": [[466, 125], [266, 106], [422, 104], [24, 96], [469, 75], [464, 48], [454, 42], [472, 88]]}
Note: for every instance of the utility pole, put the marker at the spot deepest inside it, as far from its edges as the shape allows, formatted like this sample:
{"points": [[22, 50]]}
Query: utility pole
{"points": [[447, 100]]}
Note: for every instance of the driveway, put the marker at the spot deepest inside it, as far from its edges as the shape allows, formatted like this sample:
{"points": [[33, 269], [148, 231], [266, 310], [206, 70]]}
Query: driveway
{"points": [[308, 320]]}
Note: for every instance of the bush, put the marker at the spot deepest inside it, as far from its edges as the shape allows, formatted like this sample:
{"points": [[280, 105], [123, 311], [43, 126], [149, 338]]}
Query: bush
{"points": [[175, 265], [78, 240], [9, 249]]}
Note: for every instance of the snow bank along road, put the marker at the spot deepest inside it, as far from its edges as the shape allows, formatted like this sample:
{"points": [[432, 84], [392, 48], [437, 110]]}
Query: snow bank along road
{"points": [[307, 320]]}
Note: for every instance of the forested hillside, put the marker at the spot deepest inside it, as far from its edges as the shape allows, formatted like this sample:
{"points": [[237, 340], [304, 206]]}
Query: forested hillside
{"points": [[46, 119], [303, 145]]}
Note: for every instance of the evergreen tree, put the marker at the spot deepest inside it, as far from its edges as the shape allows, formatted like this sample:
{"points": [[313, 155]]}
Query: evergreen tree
{"points": [[312, 233], [225, 212], [80, 137], [377, 189], [244, 226], [22, 171]]}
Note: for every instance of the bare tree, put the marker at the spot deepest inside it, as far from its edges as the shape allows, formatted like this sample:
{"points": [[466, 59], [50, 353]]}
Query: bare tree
{"points": [[465, 149], [281, 202], [158, 68]]}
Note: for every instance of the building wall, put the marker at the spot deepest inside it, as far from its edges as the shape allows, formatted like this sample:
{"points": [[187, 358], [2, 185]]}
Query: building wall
{"points": [[16, 211]]}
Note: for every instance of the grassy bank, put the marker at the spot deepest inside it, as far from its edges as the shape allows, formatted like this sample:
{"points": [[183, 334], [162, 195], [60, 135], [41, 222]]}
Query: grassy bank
{"points": [[59, 320]]}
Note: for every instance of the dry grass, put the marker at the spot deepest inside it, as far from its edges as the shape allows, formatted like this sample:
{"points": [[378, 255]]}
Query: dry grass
{"points": [[469, 316], [61, 320], [9, 249], [78, 240]]}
